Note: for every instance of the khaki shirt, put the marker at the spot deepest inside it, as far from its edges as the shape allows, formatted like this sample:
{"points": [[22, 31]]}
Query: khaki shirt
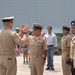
{"points": [[37, 45], [65, 42], [8, 41], [72, 51]]}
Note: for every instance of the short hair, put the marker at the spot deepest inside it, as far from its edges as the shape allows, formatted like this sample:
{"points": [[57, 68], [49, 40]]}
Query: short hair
{"points": [[49, 27]]}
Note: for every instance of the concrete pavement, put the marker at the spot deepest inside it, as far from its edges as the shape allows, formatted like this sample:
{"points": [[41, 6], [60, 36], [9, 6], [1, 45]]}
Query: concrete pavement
{"points": [[23, 69]]}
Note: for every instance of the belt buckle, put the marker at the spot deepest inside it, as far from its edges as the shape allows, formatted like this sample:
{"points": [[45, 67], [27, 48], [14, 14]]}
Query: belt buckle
{"points": [[34, 56]]}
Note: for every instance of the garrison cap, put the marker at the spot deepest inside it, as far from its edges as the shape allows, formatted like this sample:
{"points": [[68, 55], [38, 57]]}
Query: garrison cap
{"points": [[37, 26], [7, 19], [73, 23], [66, 28]]}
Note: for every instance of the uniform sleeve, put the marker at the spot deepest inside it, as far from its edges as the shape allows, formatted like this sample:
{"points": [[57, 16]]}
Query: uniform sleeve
{"points": [[72, 49], [55, 38], [45, 37], [73, 41], [44, 45], [17, 39], [69, 41]]}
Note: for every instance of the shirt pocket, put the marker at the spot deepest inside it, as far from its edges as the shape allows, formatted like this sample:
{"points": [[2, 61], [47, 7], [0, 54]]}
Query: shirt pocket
{"points": [[63, 43], [39, 43]]}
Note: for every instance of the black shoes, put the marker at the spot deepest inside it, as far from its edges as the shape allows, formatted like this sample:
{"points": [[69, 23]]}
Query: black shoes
{"points": [[25, 62], [52, 68], [49, 68]]}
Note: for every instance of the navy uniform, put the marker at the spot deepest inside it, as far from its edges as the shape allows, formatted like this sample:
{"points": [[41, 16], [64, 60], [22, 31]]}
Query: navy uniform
{"points": [[65, 46], [37, 48], [72, 53], [8, 41]]}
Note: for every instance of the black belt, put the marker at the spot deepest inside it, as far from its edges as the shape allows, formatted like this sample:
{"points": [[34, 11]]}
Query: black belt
{"points": [[50, 45]]}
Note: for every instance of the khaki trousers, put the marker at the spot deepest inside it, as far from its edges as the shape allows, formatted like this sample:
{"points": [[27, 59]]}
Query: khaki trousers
{"points": [[65, 67], [36, 65], [8, 65]]}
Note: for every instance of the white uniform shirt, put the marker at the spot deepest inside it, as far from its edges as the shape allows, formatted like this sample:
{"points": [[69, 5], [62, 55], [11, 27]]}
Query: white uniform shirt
{"points": [[51, 39]]}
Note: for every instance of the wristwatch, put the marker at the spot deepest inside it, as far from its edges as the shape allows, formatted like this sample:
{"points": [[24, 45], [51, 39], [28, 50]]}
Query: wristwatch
{"points": [[25, 33]]}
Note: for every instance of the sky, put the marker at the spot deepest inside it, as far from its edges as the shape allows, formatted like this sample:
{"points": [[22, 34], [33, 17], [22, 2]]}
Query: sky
{"points": [[55, 13]]}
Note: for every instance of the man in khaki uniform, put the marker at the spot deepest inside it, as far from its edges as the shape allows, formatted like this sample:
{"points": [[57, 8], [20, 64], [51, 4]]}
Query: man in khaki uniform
{"points": [[72, 51], [65, 46], [8, 41], [38, 50]]}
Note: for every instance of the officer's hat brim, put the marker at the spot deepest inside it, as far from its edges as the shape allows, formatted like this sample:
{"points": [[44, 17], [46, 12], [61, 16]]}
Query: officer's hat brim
{"points": [[66, 28], [7, 19], [37, 26]]}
